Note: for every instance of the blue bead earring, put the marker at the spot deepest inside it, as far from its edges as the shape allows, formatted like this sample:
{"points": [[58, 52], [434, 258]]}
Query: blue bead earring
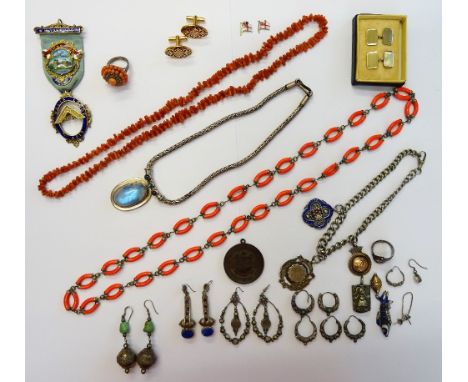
{"points": [[187, 323], [206, 322], [317, 213]]}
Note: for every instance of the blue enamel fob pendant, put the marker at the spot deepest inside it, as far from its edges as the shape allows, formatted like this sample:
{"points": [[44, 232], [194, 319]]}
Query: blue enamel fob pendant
{"points": [[317, 213], [62, 59]]}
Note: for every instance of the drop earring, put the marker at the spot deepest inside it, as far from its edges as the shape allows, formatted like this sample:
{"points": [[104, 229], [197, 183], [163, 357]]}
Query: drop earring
{"points": [[417, 278], [146, 358], [235, 322], [265, 322], [187, 323], [126, 357], [206, 322]]}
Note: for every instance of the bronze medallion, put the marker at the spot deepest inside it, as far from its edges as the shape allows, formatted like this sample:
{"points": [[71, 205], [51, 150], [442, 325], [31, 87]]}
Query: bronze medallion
{"points": [[295, 274], [243, 263], [359, 263]]}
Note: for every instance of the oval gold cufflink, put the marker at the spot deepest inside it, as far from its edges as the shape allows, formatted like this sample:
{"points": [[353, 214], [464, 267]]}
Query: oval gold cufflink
{"points": [[193, 30], [178, 51]]}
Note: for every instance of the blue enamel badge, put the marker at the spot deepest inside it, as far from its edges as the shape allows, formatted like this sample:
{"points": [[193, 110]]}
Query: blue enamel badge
{"points": [[317, 213]]}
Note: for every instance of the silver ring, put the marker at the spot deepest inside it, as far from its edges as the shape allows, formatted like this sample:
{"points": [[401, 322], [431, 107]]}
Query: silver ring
{"points": [[380, 259], [120, 58]]}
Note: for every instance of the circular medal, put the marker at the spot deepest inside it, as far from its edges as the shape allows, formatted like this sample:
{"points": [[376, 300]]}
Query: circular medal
{"points": [[296, 274], [243, 263], [359, 263]]}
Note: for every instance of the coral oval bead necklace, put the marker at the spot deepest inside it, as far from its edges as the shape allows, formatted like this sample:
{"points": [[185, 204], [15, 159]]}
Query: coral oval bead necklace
{"points": [[71, 299], [183, 102]]}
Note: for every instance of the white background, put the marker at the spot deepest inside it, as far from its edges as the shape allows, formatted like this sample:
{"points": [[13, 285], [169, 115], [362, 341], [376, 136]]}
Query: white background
{"points": [[75, 235]]}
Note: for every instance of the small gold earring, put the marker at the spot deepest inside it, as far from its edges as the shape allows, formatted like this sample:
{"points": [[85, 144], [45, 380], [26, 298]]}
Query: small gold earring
{"points": [[178, 51], [193, 30]]}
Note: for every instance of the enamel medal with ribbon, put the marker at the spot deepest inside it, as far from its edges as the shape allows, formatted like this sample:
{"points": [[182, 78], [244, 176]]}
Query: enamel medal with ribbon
{"points": [[62, 58]]}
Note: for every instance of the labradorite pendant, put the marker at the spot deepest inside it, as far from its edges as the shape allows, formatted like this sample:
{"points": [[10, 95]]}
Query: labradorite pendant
{"points": [[130, 194]]}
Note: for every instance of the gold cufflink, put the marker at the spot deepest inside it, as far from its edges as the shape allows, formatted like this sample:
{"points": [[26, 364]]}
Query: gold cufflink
{"points": [[193, 30], [372, 36], [178, 51], [373, 60]]}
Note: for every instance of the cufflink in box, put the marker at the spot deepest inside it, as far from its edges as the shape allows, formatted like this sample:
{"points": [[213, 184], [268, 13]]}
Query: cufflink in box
{"points": [[379, 50]]}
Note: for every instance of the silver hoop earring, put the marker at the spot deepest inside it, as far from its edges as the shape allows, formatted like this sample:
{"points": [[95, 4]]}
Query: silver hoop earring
{"points": [[330, 337], [357, 336], [395, 283], [328, 309]]}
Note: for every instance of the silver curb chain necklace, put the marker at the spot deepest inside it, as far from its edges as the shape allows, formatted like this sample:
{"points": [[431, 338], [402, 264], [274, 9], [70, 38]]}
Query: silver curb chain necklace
{"points": [[296, 274]]}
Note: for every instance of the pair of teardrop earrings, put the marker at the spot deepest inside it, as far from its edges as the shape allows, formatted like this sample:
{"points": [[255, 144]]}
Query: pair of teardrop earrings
{"points": [[187, 323], [236, 323], [146, 357], [191, 30]]}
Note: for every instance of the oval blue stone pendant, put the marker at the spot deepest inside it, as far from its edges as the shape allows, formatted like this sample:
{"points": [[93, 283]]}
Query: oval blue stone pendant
{"points": [[317, 213], [130, 194]]}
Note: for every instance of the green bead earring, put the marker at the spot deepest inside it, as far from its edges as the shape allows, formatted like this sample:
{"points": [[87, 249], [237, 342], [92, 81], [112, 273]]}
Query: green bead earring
{"points": [[126, 357], [146, 358]]}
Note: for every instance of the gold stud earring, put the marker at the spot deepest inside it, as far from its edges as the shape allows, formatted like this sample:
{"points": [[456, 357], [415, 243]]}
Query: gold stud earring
{"points": [[178, 51], [193, 30]]}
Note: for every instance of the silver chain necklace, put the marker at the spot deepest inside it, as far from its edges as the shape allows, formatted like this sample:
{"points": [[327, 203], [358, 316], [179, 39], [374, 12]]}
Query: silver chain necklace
{"points": [[135, 192], [296, 273]]}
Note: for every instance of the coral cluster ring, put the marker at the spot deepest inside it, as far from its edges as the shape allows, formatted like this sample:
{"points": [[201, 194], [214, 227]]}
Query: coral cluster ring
{"points": [[115, 75]]}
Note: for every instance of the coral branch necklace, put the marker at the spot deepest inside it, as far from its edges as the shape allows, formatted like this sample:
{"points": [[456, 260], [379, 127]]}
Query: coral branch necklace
{"points": [[71, 299], [183, 102]]}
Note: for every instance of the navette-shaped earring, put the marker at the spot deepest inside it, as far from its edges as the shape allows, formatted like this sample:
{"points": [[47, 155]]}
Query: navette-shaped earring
{"points": [[187, 323], [178, 51], [146, 358], [126, 357], [193, 30], [265, 323], [206, 322], [236, 323], [115, 75]]}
